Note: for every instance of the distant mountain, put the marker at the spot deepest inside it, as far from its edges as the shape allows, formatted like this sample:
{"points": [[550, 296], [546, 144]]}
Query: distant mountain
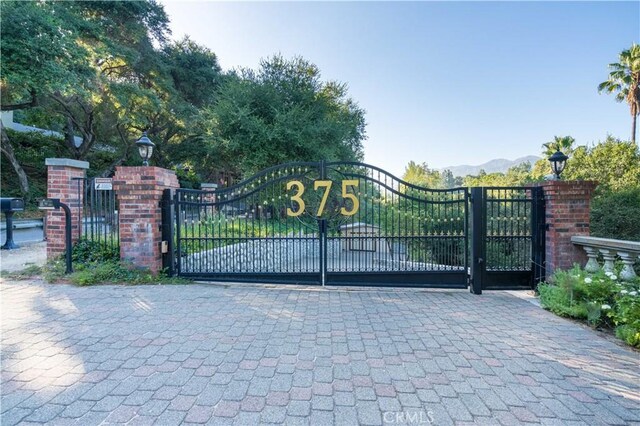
{"points": [[493, 166]]}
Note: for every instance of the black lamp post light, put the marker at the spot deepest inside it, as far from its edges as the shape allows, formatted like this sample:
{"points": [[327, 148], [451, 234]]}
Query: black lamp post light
{"points": [[145, 148], [558, 162]]}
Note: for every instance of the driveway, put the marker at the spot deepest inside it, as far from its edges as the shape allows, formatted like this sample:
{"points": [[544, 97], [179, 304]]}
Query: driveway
{"points": [[253, 355]]}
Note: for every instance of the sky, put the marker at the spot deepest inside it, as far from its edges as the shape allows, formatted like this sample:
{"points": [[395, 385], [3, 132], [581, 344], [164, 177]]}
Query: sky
{"points": [[445, 83]]}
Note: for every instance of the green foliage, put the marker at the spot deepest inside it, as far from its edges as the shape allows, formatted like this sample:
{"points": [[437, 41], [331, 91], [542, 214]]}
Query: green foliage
{"points": [[563, 144], [103, 272], [91, 70], [31, 150], [39, 53], [86, 250], [615, 215], [601, 299], [422, 175], [518, 175], [283, 112], [614, 164], [227, 230], [624, 82], [110, 273], [630, 334], [28, 272]]}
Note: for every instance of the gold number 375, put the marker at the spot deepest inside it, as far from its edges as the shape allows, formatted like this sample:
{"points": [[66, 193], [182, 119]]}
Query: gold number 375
{"points": [[326, 184]]}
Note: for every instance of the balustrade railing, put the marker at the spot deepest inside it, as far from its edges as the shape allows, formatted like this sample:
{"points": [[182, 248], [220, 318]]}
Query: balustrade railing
{"points": [[627, 251]]}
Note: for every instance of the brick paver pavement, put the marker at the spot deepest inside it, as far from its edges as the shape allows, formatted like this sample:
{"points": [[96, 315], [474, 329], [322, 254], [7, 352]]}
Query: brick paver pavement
{"points": [[250, 355]]}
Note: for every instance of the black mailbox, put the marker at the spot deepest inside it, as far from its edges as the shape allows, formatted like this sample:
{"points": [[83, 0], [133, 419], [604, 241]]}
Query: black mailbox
{"points": [[8, 206], [11, 204]]}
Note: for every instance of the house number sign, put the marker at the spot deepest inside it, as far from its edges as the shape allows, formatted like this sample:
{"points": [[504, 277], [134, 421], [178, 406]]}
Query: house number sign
{"points": [[325, 185]]}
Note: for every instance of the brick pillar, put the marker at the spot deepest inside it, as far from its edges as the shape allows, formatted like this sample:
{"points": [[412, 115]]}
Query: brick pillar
{"points": [[567, 214], [64, 181], [139, 191]]}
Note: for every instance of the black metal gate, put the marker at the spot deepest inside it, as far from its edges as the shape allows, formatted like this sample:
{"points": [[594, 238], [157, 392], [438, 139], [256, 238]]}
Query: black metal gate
{"points": [[332, 223], [99, 213], [348, 223], [508, 242]]}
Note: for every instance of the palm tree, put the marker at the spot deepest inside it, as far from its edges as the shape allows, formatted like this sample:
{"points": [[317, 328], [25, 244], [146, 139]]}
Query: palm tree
{"points": [[624, 81], [563, 144]]}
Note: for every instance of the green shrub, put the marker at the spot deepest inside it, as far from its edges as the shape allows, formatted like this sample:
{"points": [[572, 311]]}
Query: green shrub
{"points": [[116, 272], [630, 334], [600, 299], [615, 215], [85, 250]]}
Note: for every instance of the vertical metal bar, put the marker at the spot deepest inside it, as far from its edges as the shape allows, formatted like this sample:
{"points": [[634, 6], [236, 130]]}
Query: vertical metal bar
{"points": [[477, 242], [80, 207], [538, 235], [167, 230], [322, 228], [178, 209]]}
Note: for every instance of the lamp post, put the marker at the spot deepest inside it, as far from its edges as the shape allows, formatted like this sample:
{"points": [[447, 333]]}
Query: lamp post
{"points": [[558, 162], [145, 148]]}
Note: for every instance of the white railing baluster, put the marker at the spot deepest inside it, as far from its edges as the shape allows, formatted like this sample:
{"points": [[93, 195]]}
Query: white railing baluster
{"points": [[627, 251]]}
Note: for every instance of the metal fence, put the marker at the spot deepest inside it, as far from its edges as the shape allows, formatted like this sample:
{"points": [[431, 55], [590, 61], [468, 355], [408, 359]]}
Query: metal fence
{"points": [[99, 215]]}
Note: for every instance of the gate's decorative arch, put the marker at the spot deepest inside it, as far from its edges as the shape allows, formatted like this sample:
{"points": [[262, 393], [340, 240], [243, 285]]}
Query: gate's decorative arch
{"points": [[350, 223]]}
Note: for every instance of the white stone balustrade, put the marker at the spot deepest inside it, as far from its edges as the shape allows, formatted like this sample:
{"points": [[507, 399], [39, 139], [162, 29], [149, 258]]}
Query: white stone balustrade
{"points": [[628, 251]]}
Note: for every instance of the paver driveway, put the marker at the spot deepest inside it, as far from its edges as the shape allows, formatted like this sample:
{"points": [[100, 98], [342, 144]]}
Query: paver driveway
{"points": [[199, 353]]}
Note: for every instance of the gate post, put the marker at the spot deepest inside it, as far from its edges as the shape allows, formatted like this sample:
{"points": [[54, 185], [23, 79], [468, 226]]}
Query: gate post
{"points": [[63, 176], [139, 191], [477, 239], [168, 218], [538, 232], [567, 214]]}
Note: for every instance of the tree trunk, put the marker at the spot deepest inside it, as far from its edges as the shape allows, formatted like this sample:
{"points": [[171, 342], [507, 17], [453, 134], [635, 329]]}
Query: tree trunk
{"points": [[633, 128], [7, 149]]}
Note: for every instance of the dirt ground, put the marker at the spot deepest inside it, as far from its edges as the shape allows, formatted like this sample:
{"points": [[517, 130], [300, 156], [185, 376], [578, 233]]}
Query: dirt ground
{"points": [[18, 259]]}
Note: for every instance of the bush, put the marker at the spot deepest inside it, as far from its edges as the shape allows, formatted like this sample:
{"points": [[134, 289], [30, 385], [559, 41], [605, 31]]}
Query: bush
{"points": [[85, 250], [600, 299], [615, 215]]}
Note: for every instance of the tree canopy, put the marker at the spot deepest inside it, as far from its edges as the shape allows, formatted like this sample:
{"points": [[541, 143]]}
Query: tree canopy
{"points": [[105, 71], [624, 82], [284, 112]]}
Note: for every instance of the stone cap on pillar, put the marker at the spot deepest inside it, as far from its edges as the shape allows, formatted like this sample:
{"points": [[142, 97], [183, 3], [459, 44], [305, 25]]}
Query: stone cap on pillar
{"points": [[66, 162]]}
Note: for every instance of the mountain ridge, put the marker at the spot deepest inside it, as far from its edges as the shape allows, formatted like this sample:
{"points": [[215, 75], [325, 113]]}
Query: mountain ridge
{"points": [[492, 166]]}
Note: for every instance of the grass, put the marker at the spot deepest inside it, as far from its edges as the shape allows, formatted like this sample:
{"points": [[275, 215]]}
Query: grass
{"points": [[95, 273]]}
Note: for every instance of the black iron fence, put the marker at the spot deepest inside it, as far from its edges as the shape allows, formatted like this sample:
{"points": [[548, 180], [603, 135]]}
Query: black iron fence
{"points": [[348, 223], [508, 237], [99, 215], [330, 223]]}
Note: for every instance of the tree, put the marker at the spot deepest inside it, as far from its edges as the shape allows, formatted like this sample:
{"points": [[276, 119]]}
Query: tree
{"points": [[448, 180], [38, 56], [81, 61], [283, 112], [624, 81], [563, 144], [614, 164], [422, 175]]}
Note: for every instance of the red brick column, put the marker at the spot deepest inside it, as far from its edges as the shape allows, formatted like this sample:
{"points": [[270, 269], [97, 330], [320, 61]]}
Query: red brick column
{"points": [[567, 205], [139, 191], [64, 182]]}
